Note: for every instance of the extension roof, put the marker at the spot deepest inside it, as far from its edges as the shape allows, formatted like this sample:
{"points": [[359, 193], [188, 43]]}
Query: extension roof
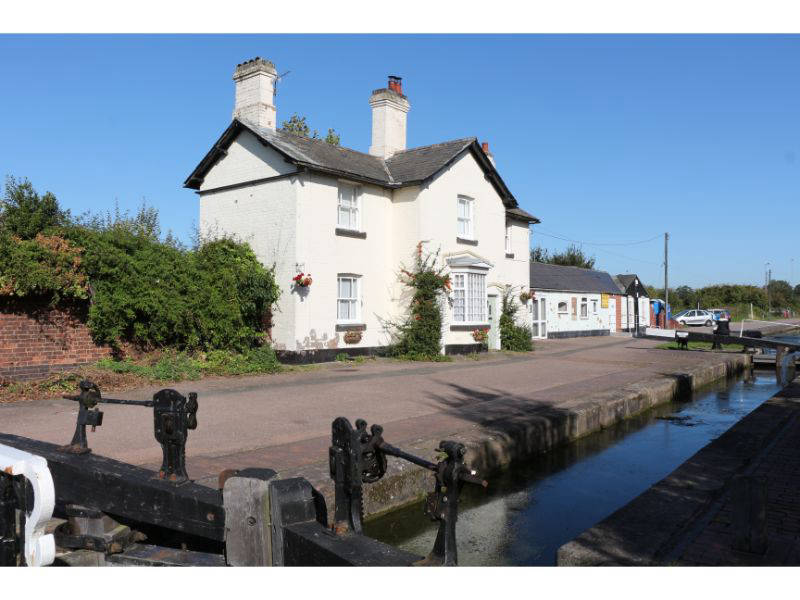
{"points": [[626, 284], [559, 278], [414, 166]]}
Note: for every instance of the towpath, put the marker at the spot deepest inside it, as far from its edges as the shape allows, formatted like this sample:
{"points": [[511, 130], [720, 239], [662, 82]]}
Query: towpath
{"points": [[563, 389]]}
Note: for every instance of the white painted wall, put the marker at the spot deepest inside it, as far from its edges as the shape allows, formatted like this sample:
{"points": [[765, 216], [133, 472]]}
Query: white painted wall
{"points": [[560, 322], [438, 221], [291, 222], [263, 215]]}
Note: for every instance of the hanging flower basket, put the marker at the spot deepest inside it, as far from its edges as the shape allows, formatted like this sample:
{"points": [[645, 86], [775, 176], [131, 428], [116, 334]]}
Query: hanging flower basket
{"points": [[302, 280], [352, 337], [480, 335], [525, 296]]}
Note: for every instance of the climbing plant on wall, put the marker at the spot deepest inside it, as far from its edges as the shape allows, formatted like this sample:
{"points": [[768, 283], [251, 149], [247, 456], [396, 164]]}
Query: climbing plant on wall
{"points": [[420, 336], [512, 336]]}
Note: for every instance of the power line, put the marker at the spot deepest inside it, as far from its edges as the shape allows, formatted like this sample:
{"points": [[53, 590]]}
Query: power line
{"points": [[561, 236], [603, 250]]}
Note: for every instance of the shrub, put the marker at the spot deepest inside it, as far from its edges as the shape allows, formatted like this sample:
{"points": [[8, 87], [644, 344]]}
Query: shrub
{"points": [[420, 336], [512, 336], [138, 288]]}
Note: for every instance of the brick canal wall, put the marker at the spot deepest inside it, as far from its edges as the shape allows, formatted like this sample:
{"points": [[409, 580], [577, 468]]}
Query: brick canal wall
{"points": [[34, 343]]}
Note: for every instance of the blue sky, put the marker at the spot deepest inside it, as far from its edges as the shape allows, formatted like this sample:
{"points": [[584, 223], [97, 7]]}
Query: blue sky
{"points": [[608, 139]]}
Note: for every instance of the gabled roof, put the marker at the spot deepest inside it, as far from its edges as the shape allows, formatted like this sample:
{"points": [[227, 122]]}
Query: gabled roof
{"points": [[626, 281], [544, 276], [407, 167]]}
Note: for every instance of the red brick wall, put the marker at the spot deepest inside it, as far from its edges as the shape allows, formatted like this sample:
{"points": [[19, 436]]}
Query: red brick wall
{"points": [[32, 346]]}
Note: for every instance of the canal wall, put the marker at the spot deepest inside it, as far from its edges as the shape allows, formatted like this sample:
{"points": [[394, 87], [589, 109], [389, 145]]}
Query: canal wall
{"points": [[687, 518], [532, 430]]}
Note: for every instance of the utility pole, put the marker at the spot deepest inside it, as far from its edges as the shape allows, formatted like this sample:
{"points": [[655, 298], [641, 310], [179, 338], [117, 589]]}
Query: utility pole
{"points": [[666, 280], [766, 283]]}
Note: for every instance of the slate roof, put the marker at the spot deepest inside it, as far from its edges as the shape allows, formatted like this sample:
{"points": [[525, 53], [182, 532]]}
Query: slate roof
{"points": [[625, 282], [545, 276], [407, 167]]}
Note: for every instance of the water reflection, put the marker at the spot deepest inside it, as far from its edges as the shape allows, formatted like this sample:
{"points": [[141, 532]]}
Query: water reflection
{"points": [[532, 509]]}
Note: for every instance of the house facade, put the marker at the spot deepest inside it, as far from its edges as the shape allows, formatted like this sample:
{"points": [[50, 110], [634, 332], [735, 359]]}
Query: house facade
{"points": [[570, 301], [349, 221]]}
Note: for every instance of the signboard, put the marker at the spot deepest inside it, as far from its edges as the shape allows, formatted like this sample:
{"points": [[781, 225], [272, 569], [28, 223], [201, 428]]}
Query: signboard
{"points": [[604, 300]]}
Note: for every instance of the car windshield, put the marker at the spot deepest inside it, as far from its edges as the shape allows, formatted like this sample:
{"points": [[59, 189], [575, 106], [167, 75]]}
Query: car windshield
{"points": [[680, 314]]}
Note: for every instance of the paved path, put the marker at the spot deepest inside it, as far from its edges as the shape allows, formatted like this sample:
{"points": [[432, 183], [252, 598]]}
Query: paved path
{"points": [[283, 421]]}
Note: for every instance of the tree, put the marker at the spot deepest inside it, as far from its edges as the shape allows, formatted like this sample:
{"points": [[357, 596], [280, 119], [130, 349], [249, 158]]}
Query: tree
{"points": [[797, 293], [573, 256], [25, 214], [780, 293], [296, 125]]}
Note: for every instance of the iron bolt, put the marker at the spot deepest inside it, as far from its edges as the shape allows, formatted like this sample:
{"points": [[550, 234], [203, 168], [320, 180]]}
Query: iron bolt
{"points": [[251, 521]]}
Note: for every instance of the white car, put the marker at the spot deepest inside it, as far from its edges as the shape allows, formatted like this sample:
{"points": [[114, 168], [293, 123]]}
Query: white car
{"points": [[695, 317]]}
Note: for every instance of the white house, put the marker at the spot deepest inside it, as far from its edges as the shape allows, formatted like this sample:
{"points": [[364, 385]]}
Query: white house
{"points": [[570, 301], [350, 220]]}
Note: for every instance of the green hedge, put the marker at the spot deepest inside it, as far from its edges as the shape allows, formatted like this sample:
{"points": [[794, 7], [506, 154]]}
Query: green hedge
{"points": [[142, 290]]}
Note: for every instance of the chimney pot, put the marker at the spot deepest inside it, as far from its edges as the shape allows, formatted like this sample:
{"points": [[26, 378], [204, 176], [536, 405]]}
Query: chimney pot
{"points": [[485, 147], [396, 84]]}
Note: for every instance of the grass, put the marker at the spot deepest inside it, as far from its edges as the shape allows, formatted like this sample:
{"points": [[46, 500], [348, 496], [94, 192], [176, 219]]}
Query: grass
{"points": [[155, 367], [698, 346]]}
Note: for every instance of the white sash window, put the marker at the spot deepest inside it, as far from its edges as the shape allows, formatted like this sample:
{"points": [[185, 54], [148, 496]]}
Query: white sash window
{"points": [[465, 225], [349, 214], [348, 303]]}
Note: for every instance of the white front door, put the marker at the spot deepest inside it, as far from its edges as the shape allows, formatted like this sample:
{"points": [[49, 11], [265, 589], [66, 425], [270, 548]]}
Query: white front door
{"points": [[539, 318], [494, 322]]}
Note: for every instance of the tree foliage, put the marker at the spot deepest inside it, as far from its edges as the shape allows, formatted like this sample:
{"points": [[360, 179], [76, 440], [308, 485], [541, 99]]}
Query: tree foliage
{"points": [[24, 213], [296, 125], [140, 289], [573, 256]]}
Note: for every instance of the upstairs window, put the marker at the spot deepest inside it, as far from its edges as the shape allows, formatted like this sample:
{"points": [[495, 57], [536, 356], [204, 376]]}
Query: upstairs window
{"points": [[348, 302], [349, 214], [465, 212], [469, 297]]}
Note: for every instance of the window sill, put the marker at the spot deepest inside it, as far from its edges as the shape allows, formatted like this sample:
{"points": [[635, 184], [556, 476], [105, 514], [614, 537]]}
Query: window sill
{"points": [[467, 241], [351, 327], [352, 233], [509, 255], [469, 326]]}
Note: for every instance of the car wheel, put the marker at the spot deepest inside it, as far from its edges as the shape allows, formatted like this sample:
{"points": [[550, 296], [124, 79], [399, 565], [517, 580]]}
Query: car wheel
{"points": [[708, 323]]}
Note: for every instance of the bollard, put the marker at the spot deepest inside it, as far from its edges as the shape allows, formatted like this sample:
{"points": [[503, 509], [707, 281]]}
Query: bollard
{"points": [[749, 513], [248, 520]]}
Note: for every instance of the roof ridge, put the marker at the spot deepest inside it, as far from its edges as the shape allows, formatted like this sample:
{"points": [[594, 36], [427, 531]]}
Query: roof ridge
{"points": [[470, 139]]}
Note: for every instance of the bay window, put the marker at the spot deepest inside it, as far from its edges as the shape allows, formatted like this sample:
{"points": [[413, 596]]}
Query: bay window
{"points": [[469, 297]]}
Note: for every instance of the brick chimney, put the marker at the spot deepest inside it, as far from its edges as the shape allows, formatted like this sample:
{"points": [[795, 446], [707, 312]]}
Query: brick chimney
{"points": [[489, 155], [255, 92], [389, 112]]}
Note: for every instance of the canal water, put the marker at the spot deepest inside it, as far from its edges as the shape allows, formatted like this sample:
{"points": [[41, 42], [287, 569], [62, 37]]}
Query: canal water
{"points": [[533, 508]]}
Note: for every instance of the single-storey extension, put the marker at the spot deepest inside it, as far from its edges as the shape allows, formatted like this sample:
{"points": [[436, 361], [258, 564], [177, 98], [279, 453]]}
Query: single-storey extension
{"points": [[570, 301]]}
